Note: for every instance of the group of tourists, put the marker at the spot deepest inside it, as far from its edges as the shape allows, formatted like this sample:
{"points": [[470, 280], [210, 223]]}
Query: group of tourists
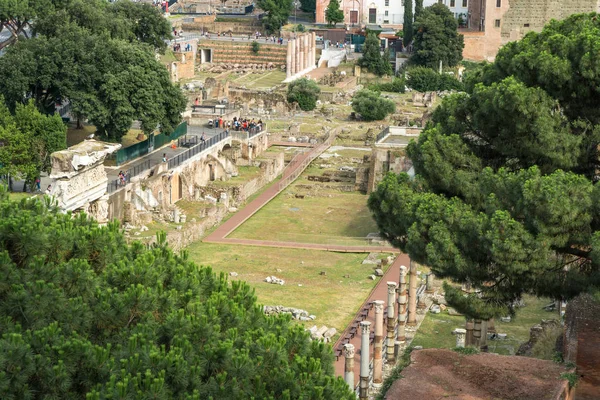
{"points": [[246, 125], [177, 47], [122, 178]]}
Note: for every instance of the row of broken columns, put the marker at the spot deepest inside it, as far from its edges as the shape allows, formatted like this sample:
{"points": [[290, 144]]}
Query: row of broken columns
{"points": [[475, 333], [395, 338], [301, 54]]}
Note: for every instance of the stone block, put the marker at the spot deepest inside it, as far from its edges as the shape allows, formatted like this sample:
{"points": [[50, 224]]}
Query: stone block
{"points": [[330, 332]]}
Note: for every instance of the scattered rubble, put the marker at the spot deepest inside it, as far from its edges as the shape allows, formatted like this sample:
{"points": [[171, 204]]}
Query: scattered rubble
{"points": [[274, 280], [297, 313]]}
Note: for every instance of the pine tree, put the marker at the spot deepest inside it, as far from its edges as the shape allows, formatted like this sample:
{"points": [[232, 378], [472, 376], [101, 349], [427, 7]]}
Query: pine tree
{"points": [[418, 8], [86, 316], [407, 28]]}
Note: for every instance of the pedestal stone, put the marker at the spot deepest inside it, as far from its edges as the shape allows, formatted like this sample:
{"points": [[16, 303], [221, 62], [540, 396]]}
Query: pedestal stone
{"points": [[460, 337]]}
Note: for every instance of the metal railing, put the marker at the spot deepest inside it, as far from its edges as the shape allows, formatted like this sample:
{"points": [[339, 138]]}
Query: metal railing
{"points": [[186, 155], [382, 134], [115, 184]]}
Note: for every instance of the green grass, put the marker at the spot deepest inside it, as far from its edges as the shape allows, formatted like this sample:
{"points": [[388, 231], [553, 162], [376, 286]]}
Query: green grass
{"points": [[333, 217], [18, 196], [332, 298], [264, 81], [436, 329], [245, 174]]}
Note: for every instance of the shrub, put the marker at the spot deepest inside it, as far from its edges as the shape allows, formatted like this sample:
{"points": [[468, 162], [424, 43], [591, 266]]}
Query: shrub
{"points": [[423, 79], [255, 47], [466, 350], [371, 106], [397, 85], [304, 92], [300, 28]]}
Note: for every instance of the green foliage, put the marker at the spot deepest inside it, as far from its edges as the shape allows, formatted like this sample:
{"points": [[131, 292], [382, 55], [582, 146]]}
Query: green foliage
{"points": [[304, 92], [545, 347], [504, 196], [309, 6], [397, 85], [109, 82], [395, 373], [418, 8], [255, 47], [84, 315], [571, 377], [371, 106], [300, 28], [372, 59], [407, 27], [333, 13], [467, 351], [277, 13], [28, 138], [437, 38], [423, 79]]}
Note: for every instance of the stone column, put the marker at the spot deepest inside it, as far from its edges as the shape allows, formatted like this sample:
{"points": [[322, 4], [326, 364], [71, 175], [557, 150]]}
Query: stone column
{"points": [[469, 328], [402, 304], [288, 60], [412, 295], [297, 54], [460, 337], [391, 322], [365, 328], [349, 365], [377, 346], [293, 56], [306, 59], [313, 40], [477, 333], [429, 283]]}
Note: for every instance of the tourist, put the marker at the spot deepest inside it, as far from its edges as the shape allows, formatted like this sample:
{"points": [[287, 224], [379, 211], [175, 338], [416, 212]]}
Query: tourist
{"points": [[221, 122], [203, 137], [164, 158], [38, 184], [49, 189], [197, 101]]}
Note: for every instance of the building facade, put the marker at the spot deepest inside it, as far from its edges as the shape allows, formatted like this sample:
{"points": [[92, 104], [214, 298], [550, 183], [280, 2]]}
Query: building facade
{"points": [[493, 23], [375, 12]]}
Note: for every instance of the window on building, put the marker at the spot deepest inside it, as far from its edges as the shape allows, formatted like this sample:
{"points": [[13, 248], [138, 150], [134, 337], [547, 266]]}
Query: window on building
{"points": [[387, 3], [498, 3], [526, 25], [452, 3], [497, 23], [386, 13], [465, 4]]}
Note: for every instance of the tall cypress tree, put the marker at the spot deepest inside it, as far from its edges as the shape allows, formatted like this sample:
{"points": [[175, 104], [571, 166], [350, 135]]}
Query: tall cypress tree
{"points": [[418, 8], [408, 22]]}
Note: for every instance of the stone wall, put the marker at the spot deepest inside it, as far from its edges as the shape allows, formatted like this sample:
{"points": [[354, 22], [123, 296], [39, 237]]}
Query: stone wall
{"points": [[240, 52], [243, 26], [183, 68], [383, 161]]}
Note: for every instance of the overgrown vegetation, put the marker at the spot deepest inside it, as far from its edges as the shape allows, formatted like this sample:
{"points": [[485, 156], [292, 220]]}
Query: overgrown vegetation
{"points": [[277, 13], [423, 79], [84, 315], [333, 13], [397, 85], [305, 92], [255, 47], [571, 377], [371, 106], [467, 351]]}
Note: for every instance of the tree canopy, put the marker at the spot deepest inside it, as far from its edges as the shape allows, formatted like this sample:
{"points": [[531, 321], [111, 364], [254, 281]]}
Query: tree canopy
{"points": [[308, 5], [85, 315], [423, 79], [371, 106], [27, 139], [372, 59], [334, 14], [305, 92], [277, 13], [505, 196], [437, 38], [110, 76]]}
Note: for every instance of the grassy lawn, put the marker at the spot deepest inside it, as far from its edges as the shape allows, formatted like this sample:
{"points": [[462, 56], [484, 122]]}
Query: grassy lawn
{"points": [[332, 217], [436, 329], [331, 297], [264, 81], [17, 196], [245, 174]]}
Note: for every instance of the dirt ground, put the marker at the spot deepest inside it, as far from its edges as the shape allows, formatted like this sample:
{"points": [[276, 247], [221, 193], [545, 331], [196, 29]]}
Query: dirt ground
{"points": [[437, 374]]}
